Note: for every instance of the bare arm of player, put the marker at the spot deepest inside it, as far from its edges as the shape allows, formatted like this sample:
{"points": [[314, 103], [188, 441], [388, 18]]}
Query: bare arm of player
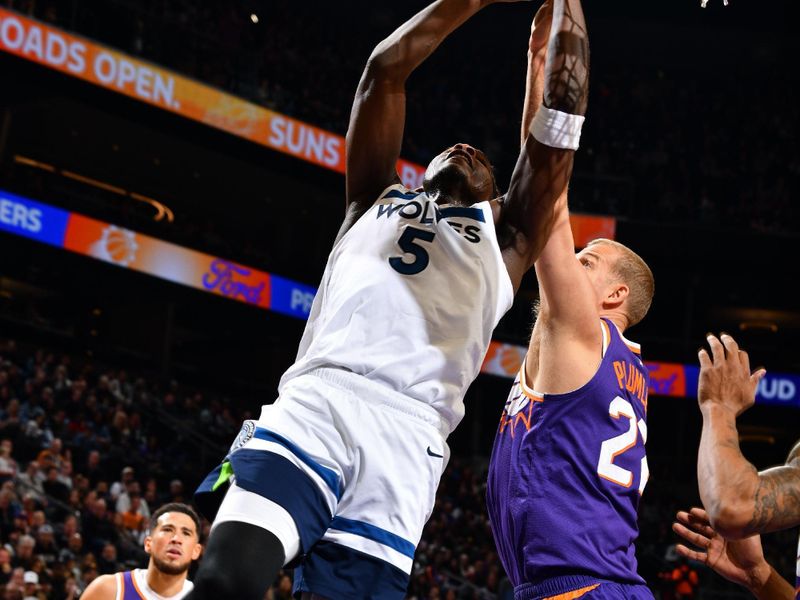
{"points": [[537, 57], [103, 587], [541, 175], [568, 318], [377, 119], [739, 561], [740, 501]]}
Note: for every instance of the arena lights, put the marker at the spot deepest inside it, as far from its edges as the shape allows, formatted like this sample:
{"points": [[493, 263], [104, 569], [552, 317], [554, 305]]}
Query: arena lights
{"points": [[162, 210]]}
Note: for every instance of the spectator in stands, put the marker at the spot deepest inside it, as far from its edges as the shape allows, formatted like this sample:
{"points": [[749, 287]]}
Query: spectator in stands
{"points": [[177, 492], [108, 562], [46, 547], [10, 421], [133, 521], [53, 455], [73, 549], [125, 500], [31, 481], [32, 587], [98, 527], [54, 487], [126, 476], [6, 567], [94, 469], [8, 466], [9, 510], [24, 552]]}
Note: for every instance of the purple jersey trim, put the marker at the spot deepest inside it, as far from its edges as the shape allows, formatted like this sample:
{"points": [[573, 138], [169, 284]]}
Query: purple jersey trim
{"points": [[129, 589]]}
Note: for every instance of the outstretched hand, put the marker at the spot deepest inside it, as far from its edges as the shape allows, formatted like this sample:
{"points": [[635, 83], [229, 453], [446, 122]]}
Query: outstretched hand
{"points": [[741, 561], [725, 377]]}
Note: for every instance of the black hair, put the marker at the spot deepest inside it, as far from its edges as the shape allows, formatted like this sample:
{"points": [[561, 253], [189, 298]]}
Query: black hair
{"points": [[175, 507]]}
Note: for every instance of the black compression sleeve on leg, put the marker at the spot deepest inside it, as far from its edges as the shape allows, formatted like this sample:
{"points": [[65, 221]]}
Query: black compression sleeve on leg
{"points": [[239, 563]]}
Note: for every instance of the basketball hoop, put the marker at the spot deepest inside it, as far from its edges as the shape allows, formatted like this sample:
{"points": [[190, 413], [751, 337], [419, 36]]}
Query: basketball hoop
{"points": [[704, 2]]}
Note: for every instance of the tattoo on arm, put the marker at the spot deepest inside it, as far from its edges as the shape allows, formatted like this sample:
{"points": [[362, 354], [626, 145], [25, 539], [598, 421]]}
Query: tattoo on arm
{"points": [[568, 72], [777, 498]]}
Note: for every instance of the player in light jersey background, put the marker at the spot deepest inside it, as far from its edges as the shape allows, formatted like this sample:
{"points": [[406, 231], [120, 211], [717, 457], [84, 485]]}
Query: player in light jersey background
{"points": [[568, 464], [339, 474]]}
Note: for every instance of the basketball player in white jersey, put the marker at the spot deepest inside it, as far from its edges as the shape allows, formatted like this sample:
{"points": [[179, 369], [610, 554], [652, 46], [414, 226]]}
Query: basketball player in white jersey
{"points": [[338, 476], [172, 544]]}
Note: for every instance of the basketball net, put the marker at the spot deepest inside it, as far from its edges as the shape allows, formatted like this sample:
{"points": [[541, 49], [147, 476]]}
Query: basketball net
{"points": [[704, 2]]}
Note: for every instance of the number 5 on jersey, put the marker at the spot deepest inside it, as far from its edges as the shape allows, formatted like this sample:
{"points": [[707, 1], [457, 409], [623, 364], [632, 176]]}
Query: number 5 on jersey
{"points": [[410, 243], [613, 447]]}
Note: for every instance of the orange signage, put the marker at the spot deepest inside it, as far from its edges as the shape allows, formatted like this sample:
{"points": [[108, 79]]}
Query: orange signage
{"points": [[144, 81]]}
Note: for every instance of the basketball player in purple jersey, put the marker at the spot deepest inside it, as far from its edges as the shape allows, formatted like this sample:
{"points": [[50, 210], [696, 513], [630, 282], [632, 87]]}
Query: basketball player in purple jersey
{"points": [[740, 501], [568, 465], [173, 544]]}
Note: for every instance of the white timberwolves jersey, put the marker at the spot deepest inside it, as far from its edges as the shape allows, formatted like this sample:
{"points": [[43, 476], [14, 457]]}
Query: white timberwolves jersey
{"points": [[409, 299]]}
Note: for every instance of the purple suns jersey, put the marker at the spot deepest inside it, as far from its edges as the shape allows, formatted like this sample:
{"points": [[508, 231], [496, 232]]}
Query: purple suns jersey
{"points": [[567, 472]]}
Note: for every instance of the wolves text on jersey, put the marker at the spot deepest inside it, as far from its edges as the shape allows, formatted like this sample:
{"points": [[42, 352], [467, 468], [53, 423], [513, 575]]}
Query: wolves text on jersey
{"points": [[427, 212]]}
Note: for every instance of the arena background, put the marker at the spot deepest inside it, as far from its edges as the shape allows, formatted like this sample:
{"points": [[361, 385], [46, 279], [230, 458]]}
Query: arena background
{"points": [[218, 129]]}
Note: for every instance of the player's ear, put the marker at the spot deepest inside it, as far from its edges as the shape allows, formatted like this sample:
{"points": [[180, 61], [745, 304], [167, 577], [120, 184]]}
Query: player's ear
{"points": [[617, 294], [197, 551], [148, 541]]}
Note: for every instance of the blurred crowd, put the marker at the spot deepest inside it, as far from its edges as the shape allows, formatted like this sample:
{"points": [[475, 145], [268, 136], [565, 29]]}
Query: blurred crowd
{"points": [[88, 451], [661, 142]]}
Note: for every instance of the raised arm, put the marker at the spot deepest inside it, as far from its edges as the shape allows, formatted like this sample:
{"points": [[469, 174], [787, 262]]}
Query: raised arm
{"points": [[555, 103], [739, 499], [377, 119]]}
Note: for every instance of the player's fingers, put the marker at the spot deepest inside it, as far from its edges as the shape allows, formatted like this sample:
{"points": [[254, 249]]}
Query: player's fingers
{"points": [[758, 375], [693, 537], [731, 347], [682, 516], [705, 359], [700, 513], [717, 349], [698, 520], [691, 554]]}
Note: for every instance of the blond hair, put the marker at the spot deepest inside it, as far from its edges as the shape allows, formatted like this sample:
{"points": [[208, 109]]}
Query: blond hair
{"points": [[631, 270]]}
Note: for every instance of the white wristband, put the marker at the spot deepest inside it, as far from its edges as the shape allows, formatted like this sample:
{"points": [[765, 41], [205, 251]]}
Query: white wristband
{"points": [[557, 129]]}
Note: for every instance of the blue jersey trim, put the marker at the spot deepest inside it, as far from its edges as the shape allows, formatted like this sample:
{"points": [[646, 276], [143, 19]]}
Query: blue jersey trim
{"points": [[476, 214], [376, 534], [399, 194], [278, 479], [335, 571], [329, 476]]}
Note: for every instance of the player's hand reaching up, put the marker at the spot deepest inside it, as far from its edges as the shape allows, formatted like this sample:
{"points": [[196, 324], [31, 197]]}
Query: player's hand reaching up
{"points": [[725, 377], [741, 561]]}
